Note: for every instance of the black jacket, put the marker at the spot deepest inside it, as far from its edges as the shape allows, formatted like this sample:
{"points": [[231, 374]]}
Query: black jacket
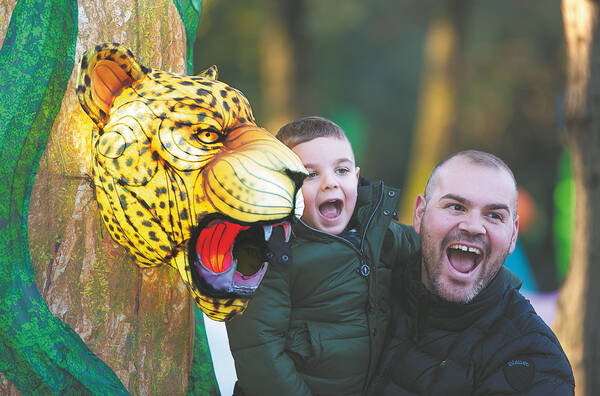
{"points": [[495, 345]]}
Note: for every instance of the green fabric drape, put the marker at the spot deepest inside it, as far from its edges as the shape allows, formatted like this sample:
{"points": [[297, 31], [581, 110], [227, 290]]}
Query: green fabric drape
{"points": [[190, 11], [203, 381], [39, 353]]}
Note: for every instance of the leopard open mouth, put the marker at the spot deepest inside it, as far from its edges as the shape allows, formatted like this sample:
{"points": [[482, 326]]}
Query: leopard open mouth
{"points": [[229, 258]]}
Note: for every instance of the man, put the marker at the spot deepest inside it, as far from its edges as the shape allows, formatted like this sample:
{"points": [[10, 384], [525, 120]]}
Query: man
{"points": [[459, 327]]}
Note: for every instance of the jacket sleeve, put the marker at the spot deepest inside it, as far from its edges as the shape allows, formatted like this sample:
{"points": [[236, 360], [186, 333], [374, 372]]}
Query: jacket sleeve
{"points": [[257, 340], [530, 365], [400, 245]]}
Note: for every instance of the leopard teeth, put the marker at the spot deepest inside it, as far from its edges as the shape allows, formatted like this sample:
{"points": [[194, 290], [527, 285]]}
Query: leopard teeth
{"points": [[268, 229]]}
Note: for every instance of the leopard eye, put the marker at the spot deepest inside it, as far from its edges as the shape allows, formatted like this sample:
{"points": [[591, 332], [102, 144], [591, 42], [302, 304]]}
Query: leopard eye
{"points": [[208, 136]]}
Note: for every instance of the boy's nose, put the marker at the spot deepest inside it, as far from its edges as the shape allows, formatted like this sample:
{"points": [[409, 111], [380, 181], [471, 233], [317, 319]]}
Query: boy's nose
{"points": [[329, 181]]}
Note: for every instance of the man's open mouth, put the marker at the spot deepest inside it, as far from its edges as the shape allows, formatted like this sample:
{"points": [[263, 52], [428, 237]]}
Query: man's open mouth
{"points": [[230, 257], [331, 209], [463, 258]]}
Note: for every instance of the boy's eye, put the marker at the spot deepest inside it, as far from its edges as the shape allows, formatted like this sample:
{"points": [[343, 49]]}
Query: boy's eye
{"points": [[311, 174], [342, 171]]}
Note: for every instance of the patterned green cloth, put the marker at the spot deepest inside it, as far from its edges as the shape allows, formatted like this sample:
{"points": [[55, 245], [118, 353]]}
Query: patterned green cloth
{"points": [[40, 354], [203, 381], [190, 11]]}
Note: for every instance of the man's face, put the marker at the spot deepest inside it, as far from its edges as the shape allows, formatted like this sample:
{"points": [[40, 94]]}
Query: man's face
{"points": [[331, 186], [467, 228]]}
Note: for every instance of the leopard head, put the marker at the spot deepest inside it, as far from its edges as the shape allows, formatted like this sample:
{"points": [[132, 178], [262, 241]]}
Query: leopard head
{"points": [[182, 171]]}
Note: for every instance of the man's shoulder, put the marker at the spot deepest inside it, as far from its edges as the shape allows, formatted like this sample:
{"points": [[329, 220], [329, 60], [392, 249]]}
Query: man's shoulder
{"points": [[519, 330], [519, 316], [520, 345]]}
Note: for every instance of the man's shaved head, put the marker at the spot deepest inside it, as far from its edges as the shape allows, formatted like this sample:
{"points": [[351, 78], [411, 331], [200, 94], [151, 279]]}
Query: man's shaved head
{"points": [[474, 157]]}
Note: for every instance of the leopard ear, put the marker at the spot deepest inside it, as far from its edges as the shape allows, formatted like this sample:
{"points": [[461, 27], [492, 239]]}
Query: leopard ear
{"points": [[103, 73], [212, 73]]}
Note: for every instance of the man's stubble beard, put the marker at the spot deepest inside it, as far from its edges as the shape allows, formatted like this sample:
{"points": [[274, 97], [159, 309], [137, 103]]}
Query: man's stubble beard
{"points": [[434, 273]]}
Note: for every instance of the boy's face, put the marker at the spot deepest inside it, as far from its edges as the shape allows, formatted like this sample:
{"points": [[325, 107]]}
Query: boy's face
{"points": [[330, 189]]}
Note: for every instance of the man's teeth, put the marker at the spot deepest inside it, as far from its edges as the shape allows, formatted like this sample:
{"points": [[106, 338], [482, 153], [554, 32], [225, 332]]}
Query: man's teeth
{"points": [[465, 248]]}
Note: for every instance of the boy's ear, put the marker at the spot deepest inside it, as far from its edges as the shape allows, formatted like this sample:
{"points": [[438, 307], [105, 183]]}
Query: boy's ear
{"points": [[357, 170]]}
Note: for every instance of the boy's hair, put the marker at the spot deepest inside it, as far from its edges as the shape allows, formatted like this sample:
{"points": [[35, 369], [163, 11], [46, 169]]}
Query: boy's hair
{"points": [[308, 128]]}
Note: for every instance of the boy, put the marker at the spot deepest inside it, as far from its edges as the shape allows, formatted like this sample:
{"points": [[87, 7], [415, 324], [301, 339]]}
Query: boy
{"points": [[316, 327]]}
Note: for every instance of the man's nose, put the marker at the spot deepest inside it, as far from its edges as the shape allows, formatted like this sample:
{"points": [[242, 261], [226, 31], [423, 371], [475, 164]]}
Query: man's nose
{"points": [[472, 223]]}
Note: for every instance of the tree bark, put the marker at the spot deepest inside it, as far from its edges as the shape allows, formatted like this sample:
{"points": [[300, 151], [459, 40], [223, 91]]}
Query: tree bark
{"points": [[138, 321], [577, 321]]}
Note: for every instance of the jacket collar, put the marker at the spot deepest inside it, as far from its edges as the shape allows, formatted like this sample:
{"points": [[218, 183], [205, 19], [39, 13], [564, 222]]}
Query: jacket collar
{"points": [[367, 198], [432, 311]]}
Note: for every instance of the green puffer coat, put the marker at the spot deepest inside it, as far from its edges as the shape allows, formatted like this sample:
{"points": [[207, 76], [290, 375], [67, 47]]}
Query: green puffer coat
{"points": [[317, 327]]}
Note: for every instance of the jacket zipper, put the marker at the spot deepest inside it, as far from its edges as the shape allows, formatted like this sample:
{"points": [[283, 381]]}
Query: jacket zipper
{"points": [[363, 261], [369, 282]]}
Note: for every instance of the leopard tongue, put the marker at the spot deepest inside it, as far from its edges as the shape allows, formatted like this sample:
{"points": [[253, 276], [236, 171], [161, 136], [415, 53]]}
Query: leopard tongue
{"points": [[329, 209], [461, 261]]}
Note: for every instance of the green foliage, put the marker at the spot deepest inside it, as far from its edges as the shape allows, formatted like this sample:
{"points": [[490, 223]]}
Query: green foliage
{"points": [[564, 206]]}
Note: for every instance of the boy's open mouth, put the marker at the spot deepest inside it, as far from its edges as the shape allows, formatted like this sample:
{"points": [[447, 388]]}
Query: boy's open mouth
{"points": [[331, 209], [463, 258]]}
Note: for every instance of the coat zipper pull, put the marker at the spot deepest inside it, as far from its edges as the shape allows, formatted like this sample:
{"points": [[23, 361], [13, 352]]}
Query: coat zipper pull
{"points": [[364, 269]]}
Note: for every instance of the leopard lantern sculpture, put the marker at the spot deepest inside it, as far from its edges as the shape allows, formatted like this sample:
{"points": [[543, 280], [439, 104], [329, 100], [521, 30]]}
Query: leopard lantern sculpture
{"points": [[185, 177]]}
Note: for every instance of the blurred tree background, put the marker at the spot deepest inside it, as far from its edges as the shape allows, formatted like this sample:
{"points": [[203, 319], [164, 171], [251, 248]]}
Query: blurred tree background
{"points": [[458, 74]]}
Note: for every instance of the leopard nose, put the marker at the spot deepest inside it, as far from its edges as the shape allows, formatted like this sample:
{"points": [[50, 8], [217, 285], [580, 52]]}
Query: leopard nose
{"points": [[257, 178], [297, 177]]}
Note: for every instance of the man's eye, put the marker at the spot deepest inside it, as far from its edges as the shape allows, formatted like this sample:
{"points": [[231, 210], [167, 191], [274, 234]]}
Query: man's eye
{"points": [[456, 207], [495, 216]]}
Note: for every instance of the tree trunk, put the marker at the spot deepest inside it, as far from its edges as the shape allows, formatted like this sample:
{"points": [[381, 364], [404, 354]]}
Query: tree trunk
{"points": [[138, 321], [436, 108], [577, 320], [284, 59]]}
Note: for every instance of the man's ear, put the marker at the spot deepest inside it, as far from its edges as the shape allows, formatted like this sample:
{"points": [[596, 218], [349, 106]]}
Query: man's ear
{"points": [[419, 211], [515, 234]]}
